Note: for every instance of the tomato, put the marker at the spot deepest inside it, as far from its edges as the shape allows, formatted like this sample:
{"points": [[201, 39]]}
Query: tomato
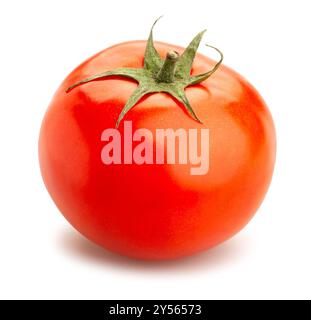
{"points": [[152, 211]]}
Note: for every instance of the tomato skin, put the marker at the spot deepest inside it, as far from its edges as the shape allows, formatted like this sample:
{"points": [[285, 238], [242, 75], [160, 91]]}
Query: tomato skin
{"points": [[156, 211]]}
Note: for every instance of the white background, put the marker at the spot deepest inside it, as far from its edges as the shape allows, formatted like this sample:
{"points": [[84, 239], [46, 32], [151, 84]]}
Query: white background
{"points": [[41, 256]]}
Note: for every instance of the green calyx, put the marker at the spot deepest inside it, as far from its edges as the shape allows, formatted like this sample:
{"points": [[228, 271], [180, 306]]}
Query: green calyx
{"points": [[171, 75]]}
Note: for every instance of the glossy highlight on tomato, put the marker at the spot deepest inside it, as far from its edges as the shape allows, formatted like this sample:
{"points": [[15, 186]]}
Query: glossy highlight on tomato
{"points": [[156, 211]]}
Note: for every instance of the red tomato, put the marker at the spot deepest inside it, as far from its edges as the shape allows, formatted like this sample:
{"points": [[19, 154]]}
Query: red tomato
{"points": [[155, 211]]}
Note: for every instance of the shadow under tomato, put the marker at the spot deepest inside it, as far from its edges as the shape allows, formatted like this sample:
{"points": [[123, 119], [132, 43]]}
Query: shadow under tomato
{"points": [[225, 254]]}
